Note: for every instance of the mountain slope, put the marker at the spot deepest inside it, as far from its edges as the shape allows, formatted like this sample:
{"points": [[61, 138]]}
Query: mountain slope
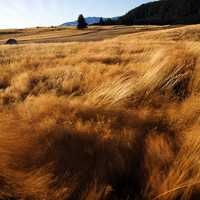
{"points": [[164, 12]]}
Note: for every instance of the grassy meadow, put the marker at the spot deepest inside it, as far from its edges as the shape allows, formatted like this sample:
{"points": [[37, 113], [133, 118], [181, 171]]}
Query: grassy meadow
{"points": [[70, 34], [111, 118]]}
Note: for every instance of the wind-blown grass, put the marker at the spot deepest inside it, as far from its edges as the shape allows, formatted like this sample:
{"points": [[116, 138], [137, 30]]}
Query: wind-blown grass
{"points": [[116, 119]]}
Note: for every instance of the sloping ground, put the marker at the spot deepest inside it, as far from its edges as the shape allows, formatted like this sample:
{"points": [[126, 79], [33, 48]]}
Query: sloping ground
{"points": [[110, 120], [184, 33], [164, 12], [71, 34]]}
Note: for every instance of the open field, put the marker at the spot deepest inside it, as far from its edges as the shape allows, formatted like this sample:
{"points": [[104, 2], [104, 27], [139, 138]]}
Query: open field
{"points": [[117, 119], [71, 34]]}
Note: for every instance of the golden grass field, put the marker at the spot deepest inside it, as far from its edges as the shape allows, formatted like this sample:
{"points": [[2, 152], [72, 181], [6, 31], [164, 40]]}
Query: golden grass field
{"points": [[70, 34], [113, 119]]}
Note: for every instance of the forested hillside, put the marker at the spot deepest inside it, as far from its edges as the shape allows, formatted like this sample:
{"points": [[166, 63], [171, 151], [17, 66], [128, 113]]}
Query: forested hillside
{"points": [[164, 12]]}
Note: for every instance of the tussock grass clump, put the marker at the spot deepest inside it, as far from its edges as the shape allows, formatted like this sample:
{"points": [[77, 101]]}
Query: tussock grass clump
{"points": [[117, 119]]}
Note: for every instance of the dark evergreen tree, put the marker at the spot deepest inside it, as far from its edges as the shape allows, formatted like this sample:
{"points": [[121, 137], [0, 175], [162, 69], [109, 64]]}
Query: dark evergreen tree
{"points": [[81, 22], [109, 21], [101, 21]]}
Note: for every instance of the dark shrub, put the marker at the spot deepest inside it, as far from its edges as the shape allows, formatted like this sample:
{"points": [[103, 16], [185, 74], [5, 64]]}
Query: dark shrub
{"points": [[11, 41]]}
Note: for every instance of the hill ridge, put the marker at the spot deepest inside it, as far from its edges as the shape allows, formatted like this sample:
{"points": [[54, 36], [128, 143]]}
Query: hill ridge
{"points": [[164, 12]]}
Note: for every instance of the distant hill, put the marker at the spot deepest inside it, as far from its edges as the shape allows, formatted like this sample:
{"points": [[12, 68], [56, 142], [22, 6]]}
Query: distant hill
{"points": [[89, 20], [164, 12]]}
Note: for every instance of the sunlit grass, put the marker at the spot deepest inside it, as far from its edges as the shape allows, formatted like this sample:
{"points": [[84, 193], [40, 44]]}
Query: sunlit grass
{"points": [[114, 119]]}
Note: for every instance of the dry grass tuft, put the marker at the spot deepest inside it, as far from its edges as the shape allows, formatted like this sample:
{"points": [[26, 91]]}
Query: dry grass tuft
{"points": [[111, 120]]}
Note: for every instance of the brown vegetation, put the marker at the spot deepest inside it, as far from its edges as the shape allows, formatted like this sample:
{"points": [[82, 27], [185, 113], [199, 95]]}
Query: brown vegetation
{"points": [[70, 34], [111, 120]]}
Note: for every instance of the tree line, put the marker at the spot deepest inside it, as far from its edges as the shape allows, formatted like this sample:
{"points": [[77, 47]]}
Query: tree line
{"points": [[82, 24], [159, 13]]}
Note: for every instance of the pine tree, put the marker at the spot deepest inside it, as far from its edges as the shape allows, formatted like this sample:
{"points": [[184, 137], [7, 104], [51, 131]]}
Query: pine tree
{"points": [[101, 21], [81, 22]]}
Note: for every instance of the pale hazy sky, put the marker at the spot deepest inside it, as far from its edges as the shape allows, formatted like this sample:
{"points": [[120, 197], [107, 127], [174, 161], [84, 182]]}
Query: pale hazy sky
{"points": [[30, 13]]}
